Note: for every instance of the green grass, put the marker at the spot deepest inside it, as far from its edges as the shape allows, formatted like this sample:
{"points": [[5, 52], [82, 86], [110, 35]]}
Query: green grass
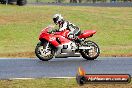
{"points": [[55, 83], [20, 26]]}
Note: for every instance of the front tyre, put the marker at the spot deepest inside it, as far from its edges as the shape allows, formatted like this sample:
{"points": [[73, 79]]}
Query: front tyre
{"points": [[44, 51], [90, 54]]}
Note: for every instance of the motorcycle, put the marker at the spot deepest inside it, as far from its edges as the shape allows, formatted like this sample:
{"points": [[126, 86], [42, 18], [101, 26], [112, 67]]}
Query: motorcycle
{"points": [[57, 44]]}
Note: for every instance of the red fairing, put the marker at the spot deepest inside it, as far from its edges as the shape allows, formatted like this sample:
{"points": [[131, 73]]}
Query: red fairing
{"points": [[87, 33], [63, 33], [52, 37]]}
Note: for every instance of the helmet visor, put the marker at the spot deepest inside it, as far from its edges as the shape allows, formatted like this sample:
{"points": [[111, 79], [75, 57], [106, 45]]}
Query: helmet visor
{"points": [[55, 20]]}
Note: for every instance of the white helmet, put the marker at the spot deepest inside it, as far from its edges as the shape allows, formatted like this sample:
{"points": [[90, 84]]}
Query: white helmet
{"points": [[57, 18]]}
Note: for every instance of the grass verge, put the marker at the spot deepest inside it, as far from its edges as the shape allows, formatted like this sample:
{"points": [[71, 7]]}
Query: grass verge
{"points": [[20, 27], [55, 83]]}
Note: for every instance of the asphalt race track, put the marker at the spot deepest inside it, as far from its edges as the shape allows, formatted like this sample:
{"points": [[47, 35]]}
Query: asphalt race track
{"points": [[62, 67]]}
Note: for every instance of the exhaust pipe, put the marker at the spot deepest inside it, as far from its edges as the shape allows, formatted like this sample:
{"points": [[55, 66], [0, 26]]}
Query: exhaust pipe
{"points": [[84, 47]]}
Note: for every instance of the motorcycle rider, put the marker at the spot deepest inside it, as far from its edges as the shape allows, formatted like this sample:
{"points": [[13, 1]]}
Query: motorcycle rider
{"points": [[74, 30]]}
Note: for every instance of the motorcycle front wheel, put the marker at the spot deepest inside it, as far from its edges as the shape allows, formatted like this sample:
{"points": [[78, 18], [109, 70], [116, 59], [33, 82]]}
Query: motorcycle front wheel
{"points": [[44, 51], [90, 54]]}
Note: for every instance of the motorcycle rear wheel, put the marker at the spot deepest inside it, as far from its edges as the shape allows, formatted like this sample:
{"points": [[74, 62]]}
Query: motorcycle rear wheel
{"points": [[42, 54], [91, 54]]}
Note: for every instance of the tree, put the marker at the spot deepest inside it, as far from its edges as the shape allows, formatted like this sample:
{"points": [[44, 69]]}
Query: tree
{"points": [[94, 1], [59, 1], [75, 1], [80, 1]]}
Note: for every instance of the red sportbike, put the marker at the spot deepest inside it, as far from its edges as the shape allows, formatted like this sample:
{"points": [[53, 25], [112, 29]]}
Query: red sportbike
{"points": [[56, 44]]}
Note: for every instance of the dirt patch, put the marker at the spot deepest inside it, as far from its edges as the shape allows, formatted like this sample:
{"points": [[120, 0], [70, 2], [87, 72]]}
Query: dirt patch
{"points": [[19, 54], [117, 55], [32, 55]]}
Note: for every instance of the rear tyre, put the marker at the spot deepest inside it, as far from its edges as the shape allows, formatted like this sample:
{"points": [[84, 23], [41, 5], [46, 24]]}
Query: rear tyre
{"points": [[91, 54], [42, 53], [21, 2]]}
